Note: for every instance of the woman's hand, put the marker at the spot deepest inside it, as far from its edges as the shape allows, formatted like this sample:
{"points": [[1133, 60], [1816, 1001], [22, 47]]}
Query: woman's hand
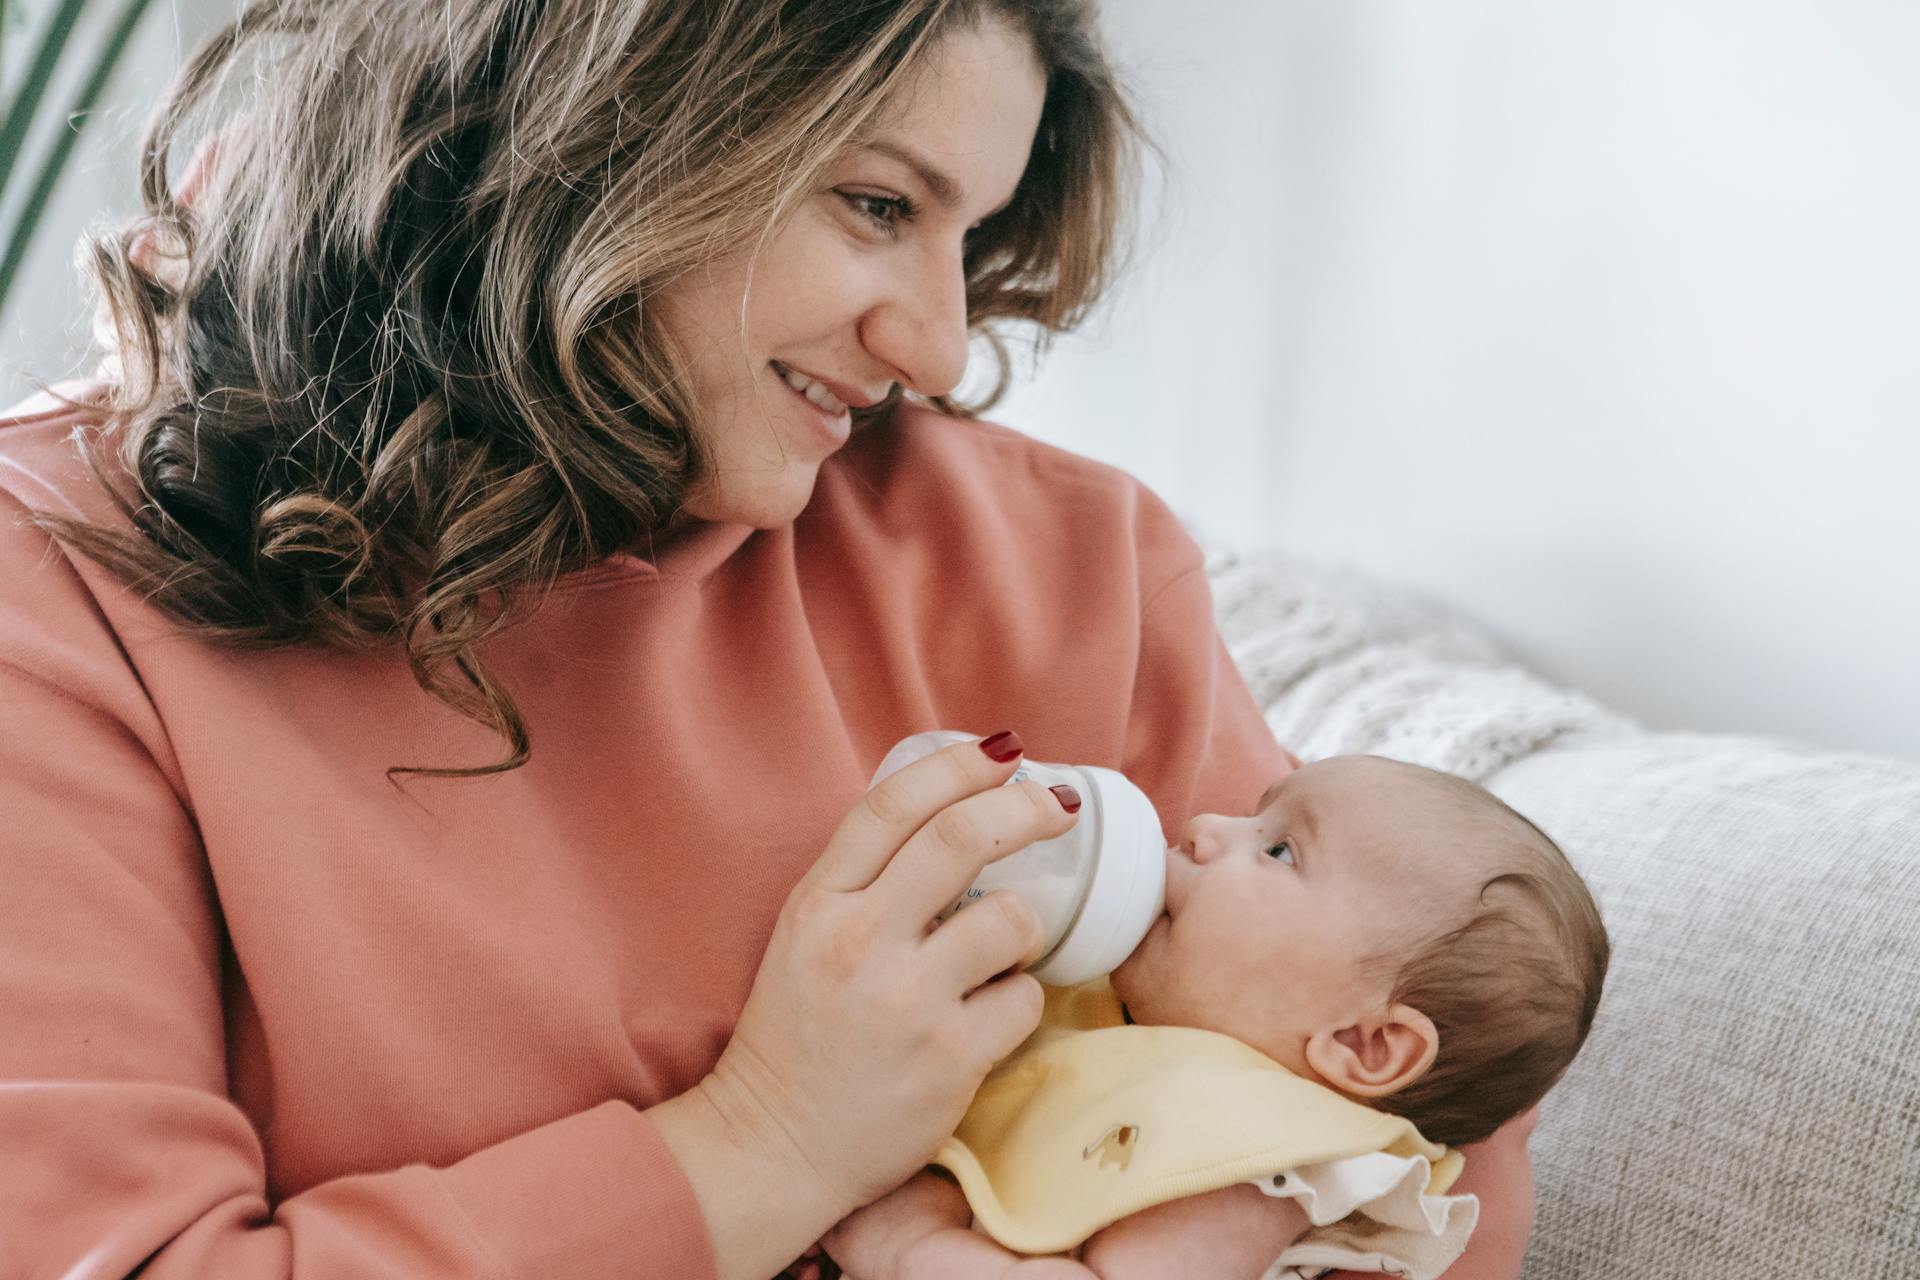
{"points": [[872, 1243], [866, 1033], [919, 1231], [1235, 1232]]}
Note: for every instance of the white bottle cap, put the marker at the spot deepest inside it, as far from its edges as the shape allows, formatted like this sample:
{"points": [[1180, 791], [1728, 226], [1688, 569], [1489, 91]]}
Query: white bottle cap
{"points": [[1129, 884]]}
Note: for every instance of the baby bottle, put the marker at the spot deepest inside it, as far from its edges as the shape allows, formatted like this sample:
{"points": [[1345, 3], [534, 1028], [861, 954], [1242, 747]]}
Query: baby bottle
{"points": [[1097, 889]]}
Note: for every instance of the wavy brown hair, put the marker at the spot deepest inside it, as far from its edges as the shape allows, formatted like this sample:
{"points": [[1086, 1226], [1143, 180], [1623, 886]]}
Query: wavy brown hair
{"points": [[394, 369]]}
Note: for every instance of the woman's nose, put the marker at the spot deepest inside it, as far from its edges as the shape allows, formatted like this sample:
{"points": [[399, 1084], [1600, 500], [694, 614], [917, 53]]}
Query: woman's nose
{"points": [[920, 328]]}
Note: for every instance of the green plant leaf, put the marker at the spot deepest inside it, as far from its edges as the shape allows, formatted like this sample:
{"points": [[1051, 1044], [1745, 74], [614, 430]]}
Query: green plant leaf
{"points": [[26, 99], [48, 177]]}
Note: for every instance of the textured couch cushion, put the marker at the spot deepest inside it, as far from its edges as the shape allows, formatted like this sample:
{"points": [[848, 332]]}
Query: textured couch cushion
{"points": [[1749, 1103]]}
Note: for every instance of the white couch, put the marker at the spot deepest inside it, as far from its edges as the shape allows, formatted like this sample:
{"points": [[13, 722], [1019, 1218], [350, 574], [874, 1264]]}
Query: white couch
{"points": [[1748, 1104]]}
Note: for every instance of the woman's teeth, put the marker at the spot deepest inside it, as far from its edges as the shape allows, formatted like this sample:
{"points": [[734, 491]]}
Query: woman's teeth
{"points": [[811, 390]]}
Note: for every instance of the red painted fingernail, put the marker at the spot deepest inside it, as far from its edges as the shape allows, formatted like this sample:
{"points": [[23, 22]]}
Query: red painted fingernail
{"points": [[1069, 798], [1002, 747]]}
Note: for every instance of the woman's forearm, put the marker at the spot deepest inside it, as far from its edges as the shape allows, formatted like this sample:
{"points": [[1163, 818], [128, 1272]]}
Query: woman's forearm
{"points": [[762, 1204]]}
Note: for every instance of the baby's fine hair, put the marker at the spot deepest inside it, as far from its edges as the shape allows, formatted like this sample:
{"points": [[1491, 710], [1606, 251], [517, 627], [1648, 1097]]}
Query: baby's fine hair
{"points": [[1511, 989]]}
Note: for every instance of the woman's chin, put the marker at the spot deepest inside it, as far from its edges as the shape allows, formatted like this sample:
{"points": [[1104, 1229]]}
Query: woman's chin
{"points": [[763, 505]]}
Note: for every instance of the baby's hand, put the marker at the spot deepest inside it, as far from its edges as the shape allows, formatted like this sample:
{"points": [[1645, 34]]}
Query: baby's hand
{"points": [[869, 1243]]}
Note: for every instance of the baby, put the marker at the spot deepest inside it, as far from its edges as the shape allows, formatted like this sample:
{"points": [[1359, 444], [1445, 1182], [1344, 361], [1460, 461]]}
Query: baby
{"points": [[1385, 935]]}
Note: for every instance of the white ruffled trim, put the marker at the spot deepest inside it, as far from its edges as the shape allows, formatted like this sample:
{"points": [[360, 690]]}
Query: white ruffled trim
{"points": [[1371, 1213]]}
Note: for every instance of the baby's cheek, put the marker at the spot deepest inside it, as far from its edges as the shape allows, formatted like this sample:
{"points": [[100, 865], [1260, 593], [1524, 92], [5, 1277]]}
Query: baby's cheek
{"points": [[1154, 982], [1122, 980], [1131, 980]]}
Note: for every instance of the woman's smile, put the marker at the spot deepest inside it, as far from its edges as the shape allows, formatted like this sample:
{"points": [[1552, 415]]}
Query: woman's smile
{"points": [[862, 305], [822, 406]]}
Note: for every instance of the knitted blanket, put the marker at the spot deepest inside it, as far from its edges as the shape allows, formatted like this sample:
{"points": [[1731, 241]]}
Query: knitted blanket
{"points": [[1342, 665]]}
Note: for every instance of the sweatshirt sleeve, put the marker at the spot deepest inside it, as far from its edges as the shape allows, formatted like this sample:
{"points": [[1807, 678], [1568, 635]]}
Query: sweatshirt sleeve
{"points": [[124, 1153], [1196, 740]]}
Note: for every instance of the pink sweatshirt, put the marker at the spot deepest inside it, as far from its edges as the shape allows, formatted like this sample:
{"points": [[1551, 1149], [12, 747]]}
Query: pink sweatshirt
{"points": [[264, 1014]]}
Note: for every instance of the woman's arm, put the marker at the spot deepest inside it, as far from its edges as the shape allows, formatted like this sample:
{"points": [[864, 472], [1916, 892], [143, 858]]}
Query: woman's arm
{"points": [[1239, 1231], [959, 1254], [1234, 1233], [919, 1231], [126, 1154], [127, 1151]]}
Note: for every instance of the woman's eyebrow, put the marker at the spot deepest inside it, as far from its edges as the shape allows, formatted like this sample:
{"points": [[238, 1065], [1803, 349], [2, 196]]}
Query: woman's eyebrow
{"points": [[946, 191]]}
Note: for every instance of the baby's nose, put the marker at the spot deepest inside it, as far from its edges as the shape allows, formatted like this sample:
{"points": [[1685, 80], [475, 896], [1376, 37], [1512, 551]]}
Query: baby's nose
{"points": [[1203, 837]]}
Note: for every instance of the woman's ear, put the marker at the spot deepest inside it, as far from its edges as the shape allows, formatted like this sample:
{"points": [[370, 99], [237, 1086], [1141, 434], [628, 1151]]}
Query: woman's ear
{"points": [[1382, 1053]]}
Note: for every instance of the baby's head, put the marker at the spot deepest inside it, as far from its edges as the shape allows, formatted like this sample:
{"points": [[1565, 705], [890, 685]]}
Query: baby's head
{"points": [[1396, 933]]}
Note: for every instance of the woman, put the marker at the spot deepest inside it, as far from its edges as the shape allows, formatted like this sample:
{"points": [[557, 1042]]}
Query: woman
{"points": [[442, 666]]}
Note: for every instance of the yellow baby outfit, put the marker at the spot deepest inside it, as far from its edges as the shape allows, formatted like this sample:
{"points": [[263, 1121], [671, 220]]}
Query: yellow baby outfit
{"points": [[1092, 1119]]}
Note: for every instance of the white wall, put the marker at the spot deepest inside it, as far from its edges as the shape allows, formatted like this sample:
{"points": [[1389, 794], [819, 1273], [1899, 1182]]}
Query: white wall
{"points": [[1599, 320]]}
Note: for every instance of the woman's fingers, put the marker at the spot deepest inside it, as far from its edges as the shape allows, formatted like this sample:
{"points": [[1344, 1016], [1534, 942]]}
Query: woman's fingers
{"points": [[946, 855], [859, 1043], [904, 801], [877, 1239], [989, 937], [1003, 1013]]}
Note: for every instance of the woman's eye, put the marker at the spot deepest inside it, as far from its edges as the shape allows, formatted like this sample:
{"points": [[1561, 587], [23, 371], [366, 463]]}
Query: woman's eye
{"points": [[885, 212], [1282, 852]]}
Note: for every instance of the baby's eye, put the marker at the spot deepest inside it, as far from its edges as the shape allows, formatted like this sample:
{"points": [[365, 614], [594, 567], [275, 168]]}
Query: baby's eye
{"points": [[1282, 852]]}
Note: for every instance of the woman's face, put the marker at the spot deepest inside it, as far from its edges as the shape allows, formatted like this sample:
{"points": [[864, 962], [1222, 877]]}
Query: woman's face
{"points": [[861, 286]]}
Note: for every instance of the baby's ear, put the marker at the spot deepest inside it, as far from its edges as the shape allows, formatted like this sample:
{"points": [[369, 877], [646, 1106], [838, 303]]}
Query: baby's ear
{"points": [[1382, 1053]]}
